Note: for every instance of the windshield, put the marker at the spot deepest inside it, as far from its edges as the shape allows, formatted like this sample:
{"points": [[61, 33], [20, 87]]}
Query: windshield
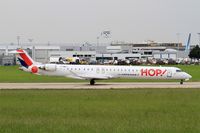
{"points": [[178, 70]]}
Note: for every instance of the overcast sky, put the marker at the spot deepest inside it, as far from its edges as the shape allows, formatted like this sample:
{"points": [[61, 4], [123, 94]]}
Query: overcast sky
{"points": [[83, 20]]}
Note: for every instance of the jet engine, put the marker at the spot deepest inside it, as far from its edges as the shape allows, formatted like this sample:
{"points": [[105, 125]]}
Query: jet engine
{"points": [[50, 67]]}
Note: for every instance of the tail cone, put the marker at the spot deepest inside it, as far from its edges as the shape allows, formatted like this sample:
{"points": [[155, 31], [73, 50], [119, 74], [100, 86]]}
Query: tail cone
{"points": [[34, 69]]}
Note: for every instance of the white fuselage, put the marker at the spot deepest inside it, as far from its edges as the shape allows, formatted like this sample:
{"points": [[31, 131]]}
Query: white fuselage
{"points": [[98, 72], [109, 71]]}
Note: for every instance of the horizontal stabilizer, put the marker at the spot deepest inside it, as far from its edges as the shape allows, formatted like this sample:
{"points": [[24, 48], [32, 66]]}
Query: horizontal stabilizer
{"points": [[16, 52]]}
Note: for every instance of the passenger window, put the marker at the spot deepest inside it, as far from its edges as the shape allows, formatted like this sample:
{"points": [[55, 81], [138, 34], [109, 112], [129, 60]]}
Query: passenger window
{"points": [[98, 70]]}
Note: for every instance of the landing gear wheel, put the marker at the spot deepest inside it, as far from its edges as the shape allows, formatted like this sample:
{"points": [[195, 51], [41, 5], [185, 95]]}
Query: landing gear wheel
{"points": [[92, 82], [181, 82]]}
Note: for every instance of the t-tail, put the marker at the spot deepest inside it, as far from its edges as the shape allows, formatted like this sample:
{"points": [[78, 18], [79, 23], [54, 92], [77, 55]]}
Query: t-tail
{"points": [[27, 63]]}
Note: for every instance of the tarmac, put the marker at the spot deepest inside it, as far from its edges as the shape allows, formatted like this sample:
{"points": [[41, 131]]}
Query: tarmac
{"points": [[100, 85]]}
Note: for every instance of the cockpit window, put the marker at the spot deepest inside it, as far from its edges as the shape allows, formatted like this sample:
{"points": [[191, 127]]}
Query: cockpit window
{"points": [[178, 71]]}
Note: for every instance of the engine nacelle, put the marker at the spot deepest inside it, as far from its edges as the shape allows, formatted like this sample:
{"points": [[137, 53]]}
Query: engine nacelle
{"points": [[50, 67]]}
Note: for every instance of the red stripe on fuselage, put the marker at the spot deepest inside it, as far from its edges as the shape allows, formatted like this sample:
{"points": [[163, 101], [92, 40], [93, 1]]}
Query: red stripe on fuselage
{"points": [[25, 57]]}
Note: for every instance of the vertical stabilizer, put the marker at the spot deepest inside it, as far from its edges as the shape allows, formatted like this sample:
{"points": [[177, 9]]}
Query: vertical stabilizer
{"points": [[24, 59], [187, 46]]}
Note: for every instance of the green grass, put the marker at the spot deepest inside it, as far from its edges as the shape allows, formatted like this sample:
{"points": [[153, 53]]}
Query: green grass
{"points": [[12, 74], [100, 111]]}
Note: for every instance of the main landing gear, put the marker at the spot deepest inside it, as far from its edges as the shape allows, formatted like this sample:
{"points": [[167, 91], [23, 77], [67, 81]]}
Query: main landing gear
{"points": [[92, 82], [181, 81]]}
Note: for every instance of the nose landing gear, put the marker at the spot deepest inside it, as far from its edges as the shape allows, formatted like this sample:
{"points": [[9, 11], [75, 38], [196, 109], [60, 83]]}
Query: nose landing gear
{"points": [[181, 81]]}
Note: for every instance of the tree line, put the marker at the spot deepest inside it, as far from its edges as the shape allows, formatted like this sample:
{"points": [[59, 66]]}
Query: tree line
{"points": [[195, 53]]}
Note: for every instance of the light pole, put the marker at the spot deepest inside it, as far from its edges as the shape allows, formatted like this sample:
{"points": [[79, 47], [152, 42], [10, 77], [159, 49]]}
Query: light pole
{"points": [[97, 42], [18, 39], [178, 41], [33, 48], [104, 34]]}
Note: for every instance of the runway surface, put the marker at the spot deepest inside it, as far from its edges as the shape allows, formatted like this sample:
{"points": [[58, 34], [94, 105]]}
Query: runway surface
{"points": [[98, 85]]}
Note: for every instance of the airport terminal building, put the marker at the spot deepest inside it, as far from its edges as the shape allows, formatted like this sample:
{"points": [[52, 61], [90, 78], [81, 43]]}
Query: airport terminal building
{"points": [[114, 51]]}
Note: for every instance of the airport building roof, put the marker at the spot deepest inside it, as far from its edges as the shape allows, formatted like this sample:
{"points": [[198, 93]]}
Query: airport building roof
{"points": [[12, 47]]}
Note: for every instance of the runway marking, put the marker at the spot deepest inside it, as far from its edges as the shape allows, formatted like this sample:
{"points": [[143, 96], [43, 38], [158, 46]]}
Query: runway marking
{"points": [[100, 85]]}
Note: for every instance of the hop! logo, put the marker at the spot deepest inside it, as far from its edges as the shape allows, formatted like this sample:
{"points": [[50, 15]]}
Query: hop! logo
{"points": [[152, 72]]}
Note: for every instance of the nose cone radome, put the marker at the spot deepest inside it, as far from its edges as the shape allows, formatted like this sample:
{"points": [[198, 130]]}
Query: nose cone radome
{"points": [[187, 76]]}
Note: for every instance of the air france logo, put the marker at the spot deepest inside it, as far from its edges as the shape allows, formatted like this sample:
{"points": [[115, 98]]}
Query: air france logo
{"points": [[152, 72]]}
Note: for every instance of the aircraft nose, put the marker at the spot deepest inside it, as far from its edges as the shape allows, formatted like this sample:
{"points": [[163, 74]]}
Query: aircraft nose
{"points": [[188, 76]]}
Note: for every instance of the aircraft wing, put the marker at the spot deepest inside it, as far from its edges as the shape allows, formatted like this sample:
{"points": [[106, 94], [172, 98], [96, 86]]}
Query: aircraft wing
{"points": [[90, 76]]}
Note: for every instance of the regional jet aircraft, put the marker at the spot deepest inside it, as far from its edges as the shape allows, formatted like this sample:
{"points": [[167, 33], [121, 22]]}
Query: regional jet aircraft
{"points": [[99, 72]]}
